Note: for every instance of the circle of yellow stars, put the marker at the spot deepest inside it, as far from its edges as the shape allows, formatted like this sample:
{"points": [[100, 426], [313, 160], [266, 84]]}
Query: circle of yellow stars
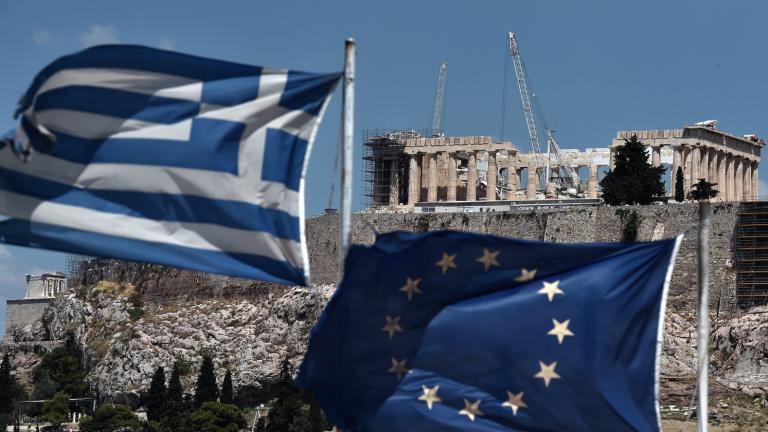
{"points": [[489, 259]]}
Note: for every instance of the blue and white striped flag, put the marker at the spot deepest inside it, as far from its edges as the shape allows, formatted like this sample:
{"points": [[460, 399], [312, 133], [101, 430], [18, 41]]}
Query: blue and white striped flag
{"points": [[150, 155]]}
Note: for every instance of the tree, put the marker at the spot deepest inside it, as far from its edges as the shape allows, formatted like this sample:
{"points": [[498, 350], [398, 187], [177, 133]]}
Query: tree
{"points": [[703, 190], [44, 387], [226, 389], [110, 417], [177, 410], [207, 390], [679, 185], [218, 417], [629, 234], [6, 380], [63, 368], [261, 424], [633, 180], [155, 400], [56, 410], [294, 410]]}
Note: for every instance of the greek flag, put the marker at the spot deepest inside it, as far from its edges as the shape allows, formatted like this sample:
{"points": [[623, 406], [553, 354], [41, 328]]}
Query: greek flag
{"points": [[150, 155]]}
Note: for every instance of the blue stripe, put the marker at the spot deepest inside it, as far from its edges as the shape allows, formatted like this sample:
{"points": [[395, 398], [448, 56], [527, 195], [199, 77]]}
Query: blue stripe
{"points": [[158, 206], [307, 91], [38, 235], [137, 57], [213, 145], [117, 103]]}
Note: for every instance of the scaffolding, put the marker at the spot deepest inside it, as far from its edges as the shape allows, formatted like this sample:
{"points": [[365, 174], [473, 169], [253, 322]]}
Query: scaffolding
{"points": [[383, 157], [750, 246], [73, 263]]}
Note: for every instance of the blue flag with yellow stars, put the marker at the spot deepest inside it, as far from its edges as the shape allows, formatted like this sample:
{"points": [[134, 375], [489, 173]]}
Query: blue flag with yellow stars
{"points": [[453, 331]]}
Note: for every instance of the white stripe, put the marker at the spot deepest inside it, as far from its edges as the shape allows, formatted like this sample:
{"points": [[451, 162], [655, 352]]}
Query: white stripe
{"points": [[660, 329], [95, 126], [137, 81], [195, 235]]}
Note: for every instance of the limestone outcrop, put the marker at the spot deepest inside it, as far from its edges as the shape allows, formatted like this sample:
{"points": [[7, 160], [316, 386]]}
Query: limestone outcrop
{"points": [[122, 350]]}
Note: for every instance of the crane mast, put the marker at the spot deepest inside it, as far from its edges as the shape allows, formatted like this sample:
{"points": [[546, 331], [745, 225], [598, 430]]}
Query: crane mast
{"points": [[567, 174], [437, 112], [522, 84]]}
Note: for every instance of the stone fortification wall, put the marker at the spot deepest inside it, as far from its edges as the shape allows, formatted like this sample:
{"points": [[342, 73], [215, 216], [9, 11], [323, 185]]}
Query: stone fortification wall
{"points": [[22, 314], [593, 224]]}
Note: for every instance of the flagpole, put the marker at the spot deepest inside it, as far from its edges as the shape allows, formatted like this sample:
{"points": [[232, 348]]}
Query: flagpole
{"points": [[702, 410], [348, 126]]}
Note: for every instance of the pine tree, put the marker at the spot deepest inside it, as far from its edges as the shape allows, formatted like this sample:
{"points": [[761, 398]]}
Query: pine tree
{"points": [[155, 400], [56, 410], [6, 404], [207, 390], [227, 396], [633, 180], [703, 190], [679, 185]]}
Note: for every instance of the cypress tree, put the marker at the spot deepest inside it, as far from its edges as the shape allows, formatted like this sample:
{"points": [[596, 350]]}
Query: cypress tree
{"points": [[207, 390], [176, 411], [6, 399], [679, 188], [227, 396], [175, 392], [156, 409]]}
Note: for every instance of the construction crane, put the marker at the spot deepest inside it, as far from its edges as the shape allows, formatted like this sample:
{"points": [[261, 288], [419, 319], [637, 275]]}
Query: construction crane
{"points": [[437, 112], [568, 176]]}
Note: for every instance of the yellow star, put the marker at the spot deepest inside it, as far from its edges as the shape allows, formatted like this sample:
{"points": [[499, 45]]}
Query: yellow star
{"points": [[514, 401], [471, 409], [393, 326], [446, 262], [430, 395], [398, 368], [547, 372], [488, 259], [560, 330], [411, 287], [526, 275], [550, 289]]}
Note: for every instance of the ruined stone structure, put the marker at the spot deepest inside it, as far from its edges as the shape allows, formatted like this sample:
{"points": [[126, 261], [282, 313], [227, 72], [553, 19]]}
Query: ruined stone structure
{"points": [[405, 168], [704, 152], [41, 289]]}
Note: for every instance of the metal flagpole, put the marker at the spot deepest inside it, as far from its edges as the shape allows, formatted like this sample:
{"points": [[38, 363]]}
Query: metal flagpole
{"points": [[702, 410], [348, 126]]}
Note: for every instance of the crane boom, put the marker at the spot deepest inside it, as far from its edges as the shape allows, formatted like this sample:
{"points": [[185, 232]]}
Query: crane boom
{"points": [[567, 174], [522, 84], [437, 112]]}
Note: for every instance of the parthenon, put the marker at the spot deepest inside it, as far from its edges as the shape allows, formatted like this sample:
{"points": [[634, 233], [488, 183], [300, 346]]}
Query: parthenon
{"points": [[405, 167]]}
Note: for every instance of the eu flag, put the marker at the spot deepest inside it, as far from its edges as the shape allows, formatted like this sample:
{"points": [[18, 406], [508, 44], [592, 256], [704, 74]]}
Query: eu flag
{"points": [[452, 331]]}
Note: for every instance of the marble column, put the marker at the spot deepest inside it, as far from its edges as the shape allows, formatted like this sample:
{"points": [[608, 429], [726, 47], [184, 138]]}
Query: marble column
{"points": [[704, 167], [490, 177], [513, 178], [432, 185], [739, 179], [730, 176], [695, 165], [592, 181], [712, 174], [686, 161], [755, 181], [747, 180], [472, 176], [721, 183], [612, 158], [656, 156], [533, 183], [451, 192], [394, 182], [414, 179]]}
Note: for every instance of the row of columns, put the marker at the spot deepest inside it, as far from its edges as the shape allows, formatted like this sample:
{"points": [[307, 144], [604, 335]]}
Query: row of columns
{"points": [[736, 176], [415, 177]]}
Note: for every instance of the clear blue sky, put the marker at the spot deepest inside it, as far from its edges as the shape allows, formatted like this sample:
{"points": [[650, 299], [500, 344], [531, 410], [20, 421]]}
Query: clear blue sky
{"points": [[597, 66]]}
